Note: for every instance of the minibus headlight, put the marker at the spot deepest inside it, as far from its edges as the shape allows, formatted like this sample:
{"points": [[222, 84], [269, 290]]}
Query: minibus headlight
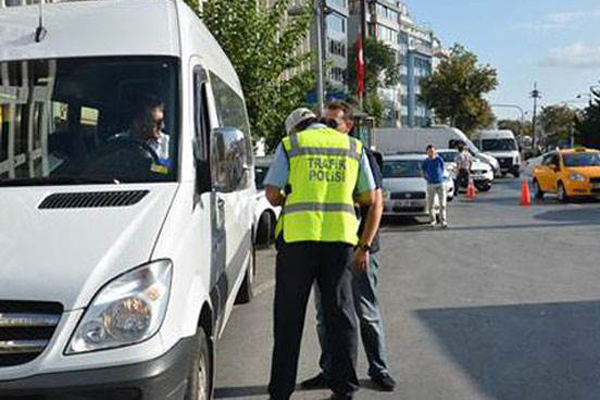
{"points": [[128, 310]]}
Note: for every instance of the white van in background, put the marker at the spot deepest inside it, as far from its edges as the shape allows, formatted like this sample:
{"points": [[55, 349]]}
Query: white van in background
{"points": [[394, 140], [126, 201], [502, 145]]}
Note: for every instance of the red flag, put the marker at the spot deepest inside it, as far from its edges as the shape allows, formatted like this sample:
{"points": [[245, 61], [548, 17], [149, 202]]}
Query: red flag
{"points": [[360, 67]]}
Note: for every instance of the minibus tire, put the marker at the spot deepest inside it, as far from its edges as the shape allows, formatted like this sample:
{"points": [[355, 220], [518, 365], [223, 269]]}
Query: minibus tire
{"points": [[199, 382]]}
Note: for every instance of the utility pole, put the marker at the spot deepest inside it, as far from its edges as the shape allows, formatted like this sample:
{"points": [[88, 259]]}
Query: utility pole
{"points": [[535, 94], [319, 38]]}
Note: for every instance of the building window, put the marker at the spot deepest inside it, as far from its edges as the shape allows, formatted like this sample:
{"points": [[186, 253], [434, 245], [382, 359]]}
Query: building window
{"points": [[386, 12], [336, 23], [338, 3], [337, 48], [386, 34], [337, 74]]}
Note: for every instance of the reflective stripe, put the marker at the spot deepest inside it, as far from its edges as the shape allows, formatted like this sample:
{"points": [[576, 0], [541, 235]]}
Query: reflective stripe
{"points": [[324, 151], [299, 207], [294, 141], [353, 146]]}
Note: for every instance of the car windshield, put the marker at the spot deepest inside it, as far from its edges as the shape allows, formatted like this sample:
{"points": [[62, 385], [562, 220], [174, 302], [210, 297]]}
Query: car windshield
{"points": [[448, 156], [582, 160], [402, 169], [498, 145], [260, 172], [89, 120]]}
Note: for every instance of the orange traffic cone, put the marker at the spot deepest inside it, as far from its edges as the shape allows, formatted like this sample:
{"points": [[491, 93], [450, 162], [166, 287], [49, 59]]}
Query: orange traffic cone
{"points": [[525, 196], [471, 192]]}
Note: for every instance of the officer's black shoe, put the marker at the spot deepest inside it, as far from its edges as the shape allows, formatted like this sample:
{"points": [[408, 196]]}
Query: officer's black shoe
{"points": [[384, 382], [319, 381]]}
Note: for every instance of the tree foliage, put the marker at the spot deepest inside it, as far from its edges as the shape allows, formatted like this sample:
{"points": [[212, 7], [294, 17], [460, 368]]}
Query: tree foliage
{"points": [[381, 66], [557, 121], [262, 44], [588, 124], [456, 89]]}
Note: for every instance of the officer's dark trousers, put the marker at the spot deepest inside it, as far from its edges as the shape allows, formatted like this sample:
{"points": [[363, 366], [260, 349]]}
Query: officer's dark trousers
{"points": [[298, 266]]}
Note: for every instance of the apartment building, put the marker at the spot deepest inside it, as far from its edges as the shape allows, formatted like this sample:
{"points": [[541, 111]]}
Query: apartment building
{"points": [[418, 45]]}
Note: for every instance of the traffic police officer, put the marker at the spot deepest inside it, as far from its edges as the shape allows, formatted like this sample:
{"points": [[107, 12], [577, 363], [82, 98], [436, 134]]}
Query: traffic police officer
{"points": [[317, 175]]}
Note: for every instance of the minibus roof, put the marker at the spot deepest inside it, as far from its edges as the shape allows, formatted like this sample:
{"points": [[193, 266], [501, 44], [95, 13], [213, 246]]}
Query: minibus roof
{"points": [[90, 29]]}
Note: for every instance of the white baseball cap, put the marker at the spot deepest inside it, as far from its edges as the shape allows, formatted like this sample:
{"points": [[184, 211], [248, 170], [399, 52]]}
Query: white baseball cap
{"points": [[296, 117]]}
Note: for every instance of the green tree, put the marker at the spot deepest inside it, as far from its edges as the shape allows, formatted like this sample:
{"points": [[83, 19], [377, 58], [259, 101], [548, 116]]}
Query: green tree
{"points": [[588, 123], [262, 46], [456, 89], [557, 121], [381, 66]]}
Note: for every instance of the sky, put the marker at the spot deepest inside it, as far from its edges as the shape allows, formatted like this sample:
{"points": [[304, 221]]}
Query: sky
{"points": [[553, 42]]}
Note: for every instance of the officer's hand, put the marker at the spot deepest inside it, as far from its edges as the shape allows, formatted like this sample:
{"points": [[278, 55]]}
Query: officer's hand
{"points": [[361, 260]]}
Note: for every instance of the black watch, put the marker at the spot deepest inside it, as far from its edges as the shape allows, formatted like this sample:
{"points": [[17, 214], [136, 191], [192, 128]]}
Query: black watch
{"points": [[365, 247]]}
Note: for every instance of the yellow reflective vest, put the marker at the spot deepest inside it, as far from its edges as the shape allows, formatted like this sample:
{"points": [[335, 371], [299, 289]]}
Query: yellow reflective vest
{"points": [[324, 166]]}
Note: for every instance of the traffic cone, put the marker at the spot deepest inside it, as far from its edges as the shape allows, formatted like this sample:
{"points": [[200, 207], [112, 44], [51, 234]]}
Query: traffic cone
{"points": [[525, 196], [471, 192]]}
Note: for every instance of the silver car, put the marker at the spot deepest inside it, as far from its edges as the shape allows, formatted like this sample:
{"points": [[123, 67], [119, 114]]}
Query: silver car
{"points": [[405, 188]]}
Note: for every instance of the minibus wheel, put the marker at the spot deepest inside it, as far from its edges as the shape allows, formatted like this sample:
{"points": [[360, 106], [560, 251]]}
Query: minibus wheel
{"points": [[199, 385]]}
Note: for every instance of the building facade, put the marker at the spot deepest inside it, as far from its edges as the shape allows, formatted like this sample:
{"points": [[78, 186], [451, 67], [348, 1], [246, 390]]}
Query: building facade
{"points": [[418, 45]]}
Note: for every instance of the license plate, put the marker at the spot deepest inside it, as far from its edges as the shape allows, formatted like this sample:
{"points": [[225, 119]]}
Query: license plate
{"points": [[403, 203]]}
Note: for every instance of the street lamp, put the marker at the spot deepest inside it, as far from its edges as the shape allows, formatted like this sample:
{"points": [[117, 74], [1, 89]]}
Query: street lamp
{"points": [[319, 28]]}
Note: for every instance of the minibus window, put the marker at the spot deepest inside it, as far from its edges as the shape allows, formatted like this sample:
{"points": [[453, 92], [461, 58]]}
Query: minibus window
{"points": [[89, 120]]}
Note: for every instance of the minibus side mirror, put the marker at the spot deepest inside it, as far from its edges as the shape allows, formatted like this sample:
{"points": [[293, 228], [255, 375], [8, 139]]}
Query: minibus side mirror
{"points": [[231, 163]]}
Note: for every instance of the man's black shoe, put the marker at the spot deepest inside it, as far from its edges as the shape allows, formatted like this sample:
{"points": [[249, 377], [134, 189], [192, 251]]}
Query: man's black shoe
{"points": [[318, 382], [384, 382]]}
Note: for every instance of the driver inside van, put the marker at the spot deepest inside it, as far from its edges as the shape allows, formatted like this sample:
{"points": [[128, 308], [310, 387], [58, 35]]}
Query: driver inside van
{"points": [[148, 124], [147, 127]]}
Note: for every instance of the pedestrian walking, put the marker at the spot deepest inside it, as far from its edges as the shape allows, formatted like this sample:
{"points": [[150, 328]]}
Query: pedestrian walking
{"points": [[463, 164], [315, 175], [364, 285], [433, 167]]}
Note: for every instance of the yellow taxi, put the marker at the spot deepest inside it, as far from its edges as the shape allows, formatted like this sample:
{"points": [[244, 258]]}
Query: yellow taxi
{"points": [[568, 173]]}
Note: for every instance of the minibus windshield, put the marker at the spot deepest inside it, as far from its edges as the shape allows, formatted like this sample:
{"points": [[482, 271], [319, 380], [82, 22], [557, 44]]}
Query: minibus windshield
{"points": [[498, 145], [89, 120]]}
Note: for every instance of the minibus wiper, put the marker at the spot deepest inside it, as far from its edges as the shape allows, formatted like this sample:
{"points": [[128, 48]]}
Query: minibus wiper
{"points": [[59, 180]]}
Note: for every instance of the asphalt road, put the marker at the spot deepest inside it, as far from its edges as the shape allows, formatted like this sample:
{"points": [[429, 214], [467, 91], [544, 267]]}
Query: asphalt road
{"points": [[504, 304]]}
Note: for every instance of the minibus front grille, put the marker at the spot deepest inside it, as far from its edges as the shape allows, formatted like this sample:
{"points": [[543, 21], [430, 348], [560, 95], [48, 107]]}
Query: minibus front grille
{"points": [[26, 328], [93, 199]]}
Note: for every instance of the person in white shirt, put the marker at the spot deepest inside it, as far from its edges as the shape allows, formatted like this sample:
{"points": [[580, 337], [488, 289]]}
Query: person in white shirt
{"points": [[148, 124], [463, 163]]}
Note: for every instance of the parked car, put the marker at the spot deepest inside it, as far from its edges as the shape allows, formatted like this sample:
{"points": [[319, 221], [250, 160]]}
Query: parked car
{"points": [[405, 188], [265, 215], [122, 252], [568, 173], [482, 173]]}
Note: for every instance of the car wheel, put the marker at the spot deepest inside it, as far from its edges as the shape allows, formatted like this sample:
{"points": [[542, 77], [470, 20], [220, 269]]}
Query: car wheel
{"points": [[537, 191], [246, 292], [199, 382], [516, 174], [562, 193], [264, 230]]}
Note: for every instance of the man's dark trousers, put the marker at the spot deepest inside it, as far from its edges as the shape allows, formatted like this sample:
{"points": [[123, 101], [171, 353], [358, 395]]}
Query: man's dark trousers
{"points": [[298, 265]]}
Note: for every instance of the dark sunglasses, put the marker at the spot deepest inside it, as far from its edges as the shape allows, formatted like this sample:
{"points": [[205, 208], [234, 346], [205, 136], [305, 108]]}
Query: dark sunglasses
{"points": [[330, 122]]}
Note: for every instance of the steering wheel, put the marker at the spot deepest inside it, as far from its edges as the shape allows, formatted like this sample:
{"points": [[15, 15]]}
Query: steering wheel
{"points": [[123, 156]]}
